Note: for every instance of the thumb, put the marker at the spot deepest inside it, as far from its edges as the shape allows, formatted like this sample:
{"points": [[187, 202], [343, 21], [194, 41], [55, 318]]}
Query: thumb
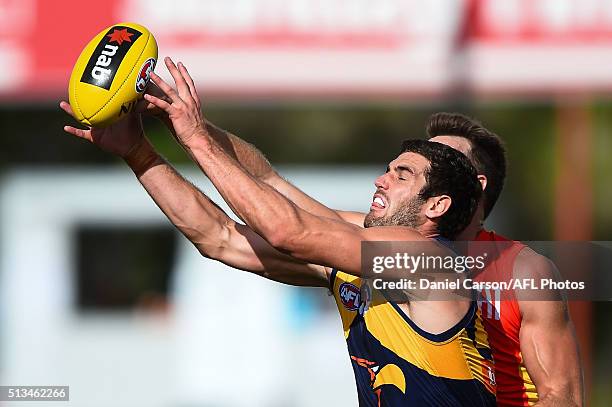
{"points": [[84, 134]]}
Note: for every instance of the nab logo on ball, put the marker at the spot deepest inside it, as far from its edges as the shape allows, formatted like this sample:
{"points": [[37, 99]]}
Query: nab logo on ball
{"points": [[106, 58], [144, 75], [350, 296]]}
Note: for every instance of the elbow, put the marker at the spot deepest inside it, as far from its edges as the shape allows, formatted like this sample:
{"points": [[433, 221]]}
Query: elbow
{"points": [[285, 240], [559, 400], [567, 393], [285, 231], [216, 248], [279, 239], [210, 251]]}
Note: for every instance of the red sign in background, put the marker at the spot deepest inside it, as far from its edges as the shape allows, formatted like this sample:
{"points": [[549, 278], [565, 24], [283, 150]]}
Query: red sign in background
{"points": [[540, 47], [45, 38], [402, 47]]}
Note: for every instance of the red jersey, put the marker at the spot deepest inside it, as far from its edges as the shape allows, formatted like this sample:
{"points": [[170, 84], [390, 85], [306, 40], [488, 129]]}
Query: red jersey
{"points": [[502, 322]]}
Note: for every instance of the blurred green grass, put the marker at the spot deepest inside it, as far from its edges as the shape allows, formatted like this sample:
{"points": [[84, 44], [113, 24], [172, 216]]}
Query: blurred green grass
{"points": [[368, 134]]}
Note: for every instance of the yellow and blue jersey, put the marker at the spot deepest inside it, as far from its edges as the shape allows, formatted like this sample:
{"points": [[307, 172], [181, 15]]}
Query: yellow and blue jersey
{"points": [[398, 364]]}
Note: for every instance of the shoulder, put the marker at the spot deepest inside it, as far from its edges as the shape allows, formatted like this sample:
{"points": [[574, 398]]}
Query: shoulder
{"points": [[530, 264], [539, 306]]}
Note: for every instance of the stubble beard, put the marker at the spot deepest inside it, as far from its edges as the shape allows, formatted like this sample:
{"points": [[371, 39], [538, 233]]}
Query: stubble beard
{"points": [[408, 214]]}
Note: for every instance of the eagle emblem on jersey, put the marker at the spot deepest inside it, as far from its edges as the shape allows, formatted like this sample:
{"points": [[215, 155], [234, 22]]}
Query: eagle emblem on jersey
{"points": [[389, 374]]}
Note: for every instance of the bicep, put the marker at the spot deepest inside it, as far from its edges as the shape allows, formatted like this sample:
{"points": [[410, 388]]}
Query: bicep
{"points": [[547, 338], [356, 218], [248, 251], [549, 349]]}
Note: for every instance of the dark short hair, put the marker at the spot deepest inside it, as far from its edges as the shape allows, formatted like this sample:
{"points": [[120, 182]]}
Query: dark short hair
{"points": [[449, 173], [487, 151]]}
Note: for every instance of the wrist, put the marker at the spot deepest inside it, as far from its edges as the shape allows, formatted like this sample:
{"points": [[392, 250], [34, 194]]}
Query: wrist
{"points": [[199, 141], [141, 157]]}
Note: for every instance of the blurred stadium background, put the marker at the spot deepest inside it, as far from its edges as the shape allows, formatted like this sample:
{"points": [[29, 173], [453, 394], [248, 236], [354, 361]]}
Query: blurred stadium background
{"points": [[98, 292]]}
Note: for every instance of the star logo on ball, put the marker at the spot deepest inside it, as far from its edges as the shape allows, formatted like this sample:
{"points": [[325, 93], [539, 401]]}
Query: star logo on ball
{"points": [[119, 36]]}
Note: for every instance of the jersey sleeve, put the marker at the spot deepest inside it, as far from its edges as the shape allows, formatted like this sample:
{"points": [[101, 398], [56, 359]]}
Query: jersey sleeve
{"points": [[346, 290]]}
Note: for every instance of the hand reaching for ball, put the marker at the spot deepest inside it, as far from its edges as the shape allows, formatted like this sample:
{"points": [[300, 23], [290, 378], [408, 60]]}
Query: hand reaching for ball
{"points": [[120, 138], [180, 109], [181, 105]]}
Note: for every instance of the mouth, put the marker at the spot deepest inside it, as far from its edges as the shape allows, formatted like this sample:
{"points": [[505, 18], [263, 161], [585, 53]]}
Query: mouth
{"points": [[378, 202]]}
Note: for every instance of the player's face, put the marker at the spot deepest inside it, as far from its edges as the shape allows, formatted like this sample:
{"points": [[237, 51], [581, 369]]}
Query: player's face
{"points": [[396, 201]]}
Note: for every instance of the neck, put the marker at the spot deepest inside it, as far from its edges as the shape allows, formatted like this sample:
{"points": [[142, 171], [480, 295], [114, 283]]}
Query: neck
{"points": [[428, 229], [475, 226]]}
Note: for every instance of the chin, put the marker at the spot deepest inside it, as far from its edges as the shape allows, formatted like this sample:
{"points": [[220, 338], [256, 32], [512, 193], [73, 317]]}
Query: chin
{"points": [[372, 220]]}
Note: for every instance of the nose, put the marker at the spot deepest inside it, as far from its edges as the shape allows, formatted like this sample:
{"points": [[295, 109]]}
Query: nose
{"points": [[382, 182]]}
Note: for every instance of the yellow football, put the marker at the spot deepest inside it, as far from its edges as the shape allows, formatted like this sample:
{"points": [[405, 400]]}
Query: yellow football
{"points": [[111, 74]]}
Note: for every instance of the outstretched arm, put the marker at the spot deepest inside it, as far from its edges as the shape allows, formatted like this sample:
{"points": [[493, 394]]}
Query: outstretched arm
{"points": [[547, 339], [214, 234], [287, 227], [256, 164]]}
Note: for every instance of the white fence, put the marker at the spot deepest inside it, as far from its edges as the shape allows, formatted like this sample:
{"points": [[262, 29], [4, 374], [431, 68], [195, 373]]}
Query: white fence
{"points": [[230, 338]]}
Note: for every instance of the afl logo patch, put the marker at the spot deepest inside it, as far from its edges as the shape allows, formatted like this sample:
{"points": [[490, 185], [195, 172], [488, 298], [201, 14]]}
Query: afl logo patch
{"points": [[108, 55], [350, 296], [144, 75]]}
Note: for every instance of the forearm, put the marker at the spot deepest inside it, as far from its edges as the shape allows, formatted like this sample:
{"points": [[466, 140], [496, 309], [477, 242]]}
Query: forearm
{"points": [[558, 380], [258, 166], [547, 338], [558, 400], [568, 394], [259, 205], [285, 226], [245, 153], [249, 157], [213, 233], [194, 214], [546, 332]]}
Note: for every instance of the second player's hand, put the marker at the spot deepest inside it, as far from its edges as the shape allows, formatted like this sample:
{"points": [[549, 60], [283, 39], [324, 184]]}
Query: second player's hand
{"points": [[147, 108], [183, 108]]}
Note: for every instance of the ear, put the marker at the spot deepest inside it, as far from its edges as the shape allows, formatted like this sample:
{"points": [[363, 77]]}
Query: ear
{"points": [[483, 181], [437, 206]]}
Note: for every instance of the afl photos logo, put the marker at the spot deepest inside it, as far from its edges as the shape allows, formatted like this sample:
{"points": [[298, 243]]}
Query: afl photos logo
{"points": [[350, 296], [144, 75], [106, 58]]}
